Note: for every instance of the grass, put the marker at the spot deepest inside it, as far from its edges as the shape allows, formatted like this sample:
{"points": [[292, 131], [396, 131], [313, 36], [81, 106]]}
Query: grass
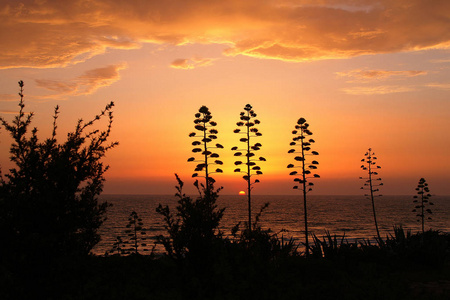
{"points": [[404, 268]]}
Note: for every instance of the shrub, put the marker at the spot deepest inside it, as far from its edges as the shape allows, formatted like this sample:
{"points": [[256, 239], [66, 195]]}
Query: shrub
{"points": [[49, 200]]}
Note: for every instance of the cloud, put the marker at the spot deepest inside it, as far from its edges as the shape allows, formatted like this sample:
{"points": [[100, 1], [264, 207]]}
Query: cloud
{"points": [[55, 33], [183, 63], [377, 90], [441, 86], [8, 97], [368, 75], [84, 84]]}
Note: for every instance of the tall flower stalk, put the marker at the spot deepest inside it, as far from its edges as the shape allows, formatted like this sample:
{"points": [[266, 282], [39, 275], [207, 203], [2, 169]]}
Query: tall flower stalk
{"points": [[205, 134], [248, 121], [302, 149], [371, 183], [421, 201]]}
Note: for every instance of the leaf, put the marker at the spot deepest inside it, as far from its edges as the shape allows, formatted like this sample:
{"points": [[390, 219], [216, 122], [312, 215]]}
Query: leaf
{"points": [[290, 166], [191, 159], [291, 151], [194, 175], [292, 144], [299, 158], [262, 159], [238, 163], [219, 162], [191, 134], [234, 148], [219, 170], [195, 150], [237, 170], [219, 146], [238, 154], [316, 176], [314, 153], [301, 121], [200, 127], [214, 155], [236, 130], [293, 173], [259, 172], [243, 139], [196, 143]]}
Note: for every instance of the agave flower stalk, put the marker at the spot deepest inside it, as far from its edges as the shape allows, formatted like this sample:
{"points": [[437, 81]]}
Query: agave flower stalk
{"points": [[421, 201], [371, 183], [205, 134], [302, 149], [248, 121]]}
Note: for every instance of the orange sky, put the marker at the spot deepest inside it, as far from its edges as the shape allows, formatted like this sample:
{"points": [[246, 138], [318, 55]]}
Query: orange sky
{"points": [[363, 73]]}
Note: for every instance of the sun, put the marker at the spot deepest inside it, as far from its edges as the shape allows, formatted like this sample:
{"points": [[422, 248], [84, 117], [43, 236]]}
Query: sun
{"points": [[241, 193]]}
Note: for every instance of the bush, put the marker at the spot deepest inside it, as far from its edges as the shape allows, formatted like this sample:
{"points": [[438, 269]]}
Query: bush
{"points": [[49, 201]]}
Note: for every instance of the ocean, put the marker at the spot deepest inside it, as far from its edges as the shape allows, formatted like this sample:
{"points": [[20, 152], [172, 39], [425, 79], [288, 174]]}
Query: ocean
{"points": [[341, 215]]}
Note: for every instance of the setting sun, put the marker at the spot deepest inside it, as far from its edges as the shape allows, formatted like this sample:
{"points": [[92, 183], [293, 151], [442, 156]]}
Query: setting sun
{"points": [[241, 193]]}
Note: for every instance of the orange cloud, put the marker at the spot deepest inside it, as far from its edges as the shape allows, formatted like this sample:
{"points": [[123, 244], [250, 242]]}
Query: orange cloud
{"points": [[85, 84], [367, 75], [195, 62], [56, 33], [377, 90]]}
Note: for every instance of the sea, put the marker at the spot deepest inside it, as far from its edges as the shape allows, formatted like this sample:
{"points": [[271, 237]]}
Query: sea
{"points": [[350, 217]]}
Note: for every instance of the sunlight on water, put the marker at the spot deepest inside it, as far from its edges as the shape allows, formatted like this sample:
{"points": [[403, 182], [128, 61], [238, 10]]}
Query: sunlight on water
{"points": [[349, 215]]}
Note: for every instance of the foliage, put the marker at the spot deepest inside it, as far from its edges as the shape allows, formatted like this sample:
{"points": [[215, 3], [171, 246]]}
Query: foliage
{"points": [[49, 200], [371, 183], [248, 120], [302, 149], [204, 124], [263, 244], [136, 238], [422, 201], [193, 230]]}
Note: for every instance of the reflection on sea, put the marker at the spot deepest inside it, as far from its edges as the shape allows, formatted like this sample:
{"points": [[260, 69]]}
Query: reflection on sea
{"points": [[349, 215]]}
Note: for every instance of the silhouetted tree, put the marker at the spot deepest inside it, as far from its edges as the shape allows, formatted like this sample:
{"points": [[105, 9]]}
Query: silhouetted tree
{"points": [[371, 183], [49, 199], [302, 149], [421, 201], [204, 125], [248, 120], [194, 227]]}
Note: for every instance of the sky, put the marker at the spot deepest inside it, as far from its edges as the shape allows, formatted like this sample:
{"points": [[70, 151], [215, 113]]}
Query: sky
{"points": [[364, 74]]}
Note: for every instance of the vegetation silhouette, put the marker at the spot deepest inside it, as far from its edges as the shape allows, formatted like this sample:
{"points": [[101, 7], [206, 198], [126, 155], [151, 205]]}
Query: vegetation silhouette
{"points": [[300, 133], [371, 183], [49, 208], [204, 124], [49, 200], [136, 238], [248, 120], [422, 201]]}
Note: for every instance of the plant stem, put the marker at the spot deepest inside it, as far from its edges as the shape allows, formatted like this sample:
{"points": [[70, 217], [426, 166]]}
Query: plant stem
{"points": [[369, 162], [248, 176], [304, 195]]}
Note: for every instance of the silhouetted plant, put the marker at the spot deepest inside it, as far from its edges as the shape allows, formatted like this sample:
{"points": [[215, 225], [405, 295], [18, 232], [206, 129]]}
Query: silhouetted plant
{"points": [[263, 244], [194, 227], [204, 125], [49, 200], [118, 247], [422, 200], [136, 233], [248, 120], [302, 149], [371, 183]]}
